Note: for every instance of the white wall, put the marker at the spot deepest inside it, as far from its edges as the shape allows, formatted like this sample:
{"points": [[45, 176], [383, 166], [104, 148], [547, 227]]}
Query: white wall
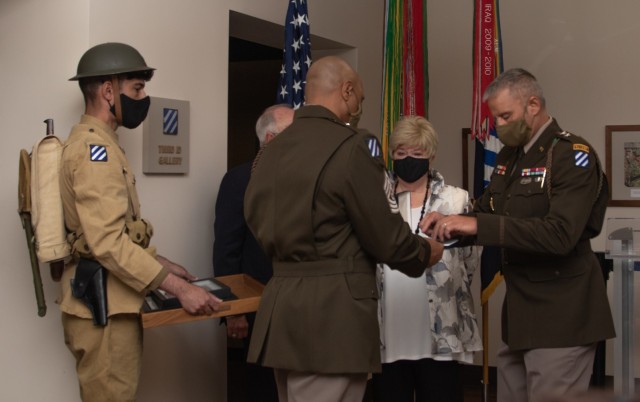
{"points": [[40, 44], [583, 52]]}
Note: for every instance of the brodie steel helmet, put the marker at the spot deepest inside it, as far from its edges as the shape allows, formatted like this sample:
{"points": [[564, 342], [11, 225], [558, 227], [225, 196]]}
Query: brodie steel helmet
{"points": [[111, 59]]}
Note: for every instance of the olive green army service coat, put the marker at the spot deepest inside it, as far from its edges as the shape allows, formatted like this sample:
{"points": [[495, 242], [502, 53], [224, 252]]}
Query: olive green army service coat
{"points": [[543, 209], [316, 204]]}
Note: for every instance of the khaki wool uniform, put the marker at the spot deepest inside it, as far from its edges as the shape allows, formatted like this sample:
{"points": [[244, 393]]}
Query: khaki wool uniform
{"points": [[100, 203], [316, 204], [543, 209]]}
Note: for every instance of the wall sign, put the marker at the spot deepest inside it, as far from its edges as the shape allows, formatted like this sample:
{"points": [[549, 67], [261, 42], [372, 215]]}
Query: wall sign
{"points": [[165, 138]]}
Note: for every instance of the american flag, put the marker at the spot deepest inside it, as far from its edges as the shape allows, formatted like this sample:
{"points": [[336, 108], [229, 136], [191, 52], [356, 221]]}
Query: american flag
{"points": [[296, 55]]}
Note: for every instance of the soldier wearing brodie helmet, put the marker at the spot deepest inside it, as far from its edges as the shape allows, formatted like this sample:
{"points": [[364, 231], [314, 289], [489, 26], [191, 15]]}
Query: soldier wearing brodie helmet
{"points": [[110, 61], [113, 264]]}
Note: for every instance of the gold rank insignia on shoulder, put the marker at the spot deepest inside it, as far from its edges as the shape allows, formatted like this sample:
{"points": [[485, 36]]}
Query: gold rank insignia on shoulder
{"points": [[98, 153]]}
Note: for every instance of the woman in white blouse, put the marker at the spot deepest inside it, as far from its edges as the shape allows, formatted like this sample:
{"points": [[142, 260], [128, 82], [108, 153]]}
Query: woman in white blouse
{"points": [[427, 324]]}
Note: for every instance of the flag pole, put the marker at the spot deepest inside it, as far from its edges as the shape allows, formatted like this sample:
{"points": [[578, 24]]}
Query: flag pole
{"points": [[485, 351], [487, 64]]}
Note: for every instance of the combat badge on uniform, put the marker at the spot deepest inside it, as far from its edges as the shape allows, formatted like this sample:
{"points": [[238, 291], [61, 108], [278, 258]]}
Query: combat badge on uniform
{"points": [[374, 147], [581, 155], [98, 153]]}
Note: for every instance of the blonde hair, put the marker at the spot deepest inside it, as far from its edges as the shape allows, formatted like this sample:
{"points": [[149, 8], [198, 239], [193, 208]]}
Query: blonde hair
{"points": [[414, 132]]}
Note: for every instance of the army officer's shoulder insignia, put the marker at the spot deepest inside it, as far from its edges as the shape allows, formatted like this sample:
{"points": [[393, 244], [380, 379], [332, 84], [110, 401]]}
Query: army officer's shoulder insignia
{"points": [[580, 148], [374, 146], [98, 153], [581, 155]]}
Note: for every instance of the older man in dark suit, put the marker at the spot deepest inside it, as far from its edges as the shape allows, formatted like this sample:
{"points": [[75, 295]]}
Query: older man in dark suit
{"points": [[236, 251]]}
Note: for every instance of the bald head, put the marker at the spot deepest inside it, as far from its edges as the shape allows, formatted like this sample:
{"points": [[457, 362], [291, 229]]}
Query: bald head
{"points": [[332, 83]]}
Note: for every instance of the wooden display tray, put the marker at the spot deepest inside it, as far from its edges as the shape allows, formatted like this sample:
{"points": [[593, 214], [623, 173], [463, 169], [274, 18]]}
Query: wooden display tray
{"points": [[247, 290]]}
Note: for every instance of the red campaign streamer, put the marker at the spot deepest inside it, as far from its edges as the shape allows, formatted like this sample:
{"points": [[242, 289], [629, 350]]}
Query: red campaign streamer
{"points": [[413, 56], [407, 55], [484, 65], [419, 65]]}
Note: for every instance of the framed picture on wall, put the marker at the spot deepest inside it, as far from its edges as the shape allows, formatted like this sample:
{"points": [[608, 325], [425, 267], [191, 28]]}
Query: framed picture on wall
{"points": [[622, 145]]}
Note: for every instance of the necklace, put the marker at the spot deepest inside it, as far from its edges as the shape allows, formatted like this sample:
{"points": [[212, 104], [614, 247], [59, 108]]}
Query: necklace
{"points": [[424, 204], [424, 207]]}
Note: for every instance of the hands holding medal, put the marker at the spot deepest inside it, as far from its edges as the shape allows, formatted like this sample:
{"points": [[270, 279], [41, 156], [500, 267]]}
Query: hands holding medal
{"points": [[448, 229]]}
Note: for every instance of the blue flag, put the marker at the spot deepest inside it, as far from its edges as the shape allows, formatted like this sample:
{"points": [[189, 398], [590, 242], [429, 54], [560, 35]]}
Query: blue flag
{"points": [[485, 162], [296, 55]]}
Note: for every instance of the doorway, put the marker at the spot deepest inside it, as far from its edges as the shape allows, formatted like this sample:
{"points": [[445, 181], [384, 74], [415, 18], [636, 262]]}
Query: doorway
{"points": [[255, 60]]}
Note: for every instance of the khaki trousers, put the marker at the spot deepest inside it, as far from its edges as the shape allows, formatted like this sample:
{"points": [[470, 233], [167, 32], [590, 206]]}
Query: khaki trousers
{"points": [[536, 374], [294, 386], [108, 359]]}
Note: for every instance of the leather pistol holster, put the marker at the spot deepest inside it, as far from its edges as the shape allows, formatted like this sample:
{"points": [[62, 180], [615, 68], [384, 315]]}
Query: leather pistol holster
{"points": [[90, 286]]}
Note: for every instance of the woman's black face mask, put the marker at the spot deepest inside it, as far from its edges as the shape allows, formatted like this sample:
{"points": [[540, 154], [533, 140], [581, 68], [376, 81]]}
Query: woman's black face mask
{"points": [[411, 169]]}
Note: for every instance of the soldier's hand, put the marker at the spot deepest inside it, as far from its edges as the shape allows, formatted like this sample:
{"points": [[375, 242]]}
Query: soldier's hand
{"points": [[436, 251], [176, 269], [194, 299], [454, 226], [237, 326], [427, 223]]}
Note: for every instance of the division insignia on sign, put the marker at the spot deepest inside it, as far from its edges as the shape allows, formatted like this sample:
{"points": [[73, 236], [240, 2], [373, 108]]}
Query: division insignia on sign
{"points": [[98, 153], [170, 121]]}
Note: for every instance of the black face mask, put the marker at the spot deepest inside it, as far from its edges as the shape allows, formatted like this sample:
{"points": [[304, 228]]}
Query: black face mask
{"points": [[133, 111], [411, 169]]}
